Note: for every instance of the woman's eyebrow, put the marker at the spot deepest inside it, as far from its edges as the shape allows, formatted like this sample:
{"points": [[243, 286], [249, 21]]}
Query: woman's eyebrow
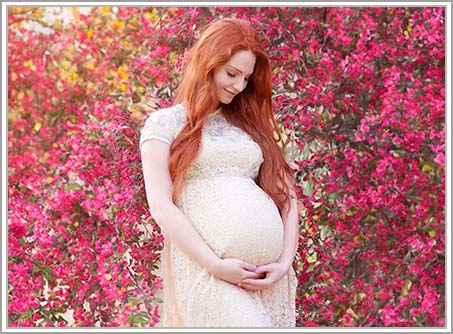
{"points": [[233, 67]]}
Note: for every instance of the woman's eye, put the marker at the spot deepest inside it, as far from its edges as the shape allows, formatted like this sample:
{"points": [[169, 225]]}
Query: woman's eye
{"points": [[230, 74]]}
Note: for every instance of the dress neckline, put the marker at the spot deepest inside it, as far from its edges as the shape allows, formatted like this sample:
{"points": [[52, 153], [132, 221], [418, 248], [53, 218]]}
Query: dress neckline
{"points": [[215, 113]]}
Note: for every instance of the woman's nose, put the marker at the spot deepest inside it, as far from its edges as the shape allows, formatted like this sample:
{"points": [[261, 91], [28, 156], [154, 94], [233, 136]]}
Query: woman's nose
{"points": [[239, 85]]}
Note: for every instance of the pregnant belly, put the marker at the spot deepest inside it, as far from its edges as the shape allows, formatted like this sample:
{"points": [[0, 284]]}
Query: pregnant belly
{"points": [[235, 217]]}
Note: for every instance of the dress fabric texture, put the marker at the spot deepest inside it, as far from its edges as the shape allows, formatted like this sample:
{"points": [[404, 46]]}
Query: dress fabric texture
{"points": [[235, 217]]}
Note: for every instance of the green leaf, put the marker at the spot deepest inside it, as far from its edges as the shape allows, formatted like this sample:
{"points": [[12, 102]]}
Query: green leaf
{"points": [[311, 268], [370, 217], [323, 231], [312, 258], [307, 186], [139, 318], [72, 186]]}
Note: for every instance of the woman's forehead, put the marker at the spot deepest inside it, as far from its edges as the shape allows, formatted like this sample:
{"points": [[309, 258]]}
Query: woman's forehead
{"points": [[242, 61]]}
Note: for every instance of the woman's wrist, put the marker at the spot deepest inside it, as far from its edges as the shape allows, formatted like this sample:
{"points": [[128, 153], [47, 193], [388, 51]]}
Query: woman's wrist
{"points": [[285, 263], [213, 265]]}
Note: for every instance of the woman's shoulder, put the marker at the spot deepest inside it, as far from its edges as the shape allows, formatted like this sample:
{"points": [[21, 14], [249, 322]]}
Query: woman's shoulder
{"points": [[176, 112], [175, 109], [172, 115], [164, 124]]}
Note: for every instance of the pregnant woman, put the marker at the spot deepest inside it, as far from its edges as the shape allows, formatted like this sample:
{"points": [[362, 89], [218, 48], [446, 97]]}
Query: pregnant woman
{"points": [[219, 187]]}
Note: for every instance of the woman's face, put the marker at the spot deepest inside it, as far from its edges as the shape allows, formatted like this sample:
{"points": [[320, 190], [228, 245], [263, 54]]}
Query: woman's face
{"points": [[231, 78]]}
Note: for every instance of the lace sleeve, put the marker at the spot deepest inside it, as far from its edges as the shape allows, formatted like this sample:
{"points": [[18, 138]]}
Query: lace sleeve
{"points": [[161, 125]]}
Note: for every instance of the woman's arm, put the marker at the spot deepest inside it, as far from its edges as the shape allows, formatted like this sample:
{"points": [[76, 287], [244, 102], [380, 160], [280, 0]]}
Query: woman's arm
{"points": [[159, 186], [291, 231]]}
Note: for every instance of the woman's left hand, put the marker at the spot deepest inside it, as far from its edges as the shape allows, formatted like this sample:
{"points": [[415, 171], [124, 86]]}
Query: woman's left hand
{"points": [[269, 275]]}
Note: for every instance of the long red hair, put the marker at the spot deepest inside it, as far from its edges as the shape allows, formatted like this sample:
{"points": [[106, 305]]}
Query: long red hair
{"points": [[251, 110]]}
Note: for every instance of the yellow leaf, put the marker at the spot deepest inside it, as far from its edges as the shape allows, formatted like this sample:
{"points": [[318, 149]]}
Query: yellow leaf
{"points": [[308, 228], [37, 126], [70, 52], [59, 85], [107, 276], [133, 302], [152, 16], [432, 233], [172, 58], [133, 24], [105, 10], [58, 24], [89, 65], [65, 64], [55, 145], [118, 23], [75, 12], [406, 287], [89, 33], [38, 13], [426, 168], [50, 179], [351, 312], [20, 95], [312, 258], [29, 63], [170, 10], [123, 87], [122, 74]]}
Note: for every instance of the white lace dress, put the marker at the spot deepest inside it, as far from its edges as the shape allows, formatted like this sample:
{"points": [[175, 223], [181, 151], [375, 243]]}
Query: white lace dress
{"points": [[235, 217]]}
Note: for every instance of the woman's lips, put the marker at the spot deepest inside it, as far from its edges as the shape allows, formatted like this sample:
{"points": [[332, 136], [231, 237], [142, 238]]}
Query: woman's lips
{"points": [[229, 92]]}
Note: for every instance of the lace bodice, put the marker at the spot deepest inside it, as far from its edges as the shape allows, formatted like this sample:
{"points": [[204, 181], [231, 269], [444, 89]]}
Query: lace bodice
{"points": [[220, 143]]}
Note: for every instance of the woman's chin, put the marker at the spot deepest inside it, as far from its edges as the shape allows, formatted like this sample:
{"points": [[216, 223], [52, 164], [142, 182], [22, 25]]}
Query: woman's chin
{"points": [[226, 100]]}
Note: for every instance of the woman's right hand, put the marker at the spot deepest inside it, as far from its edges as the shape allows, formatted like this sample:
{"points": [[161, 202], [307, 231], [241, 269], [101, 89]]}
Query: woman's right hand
{"points": [[234, 270]]}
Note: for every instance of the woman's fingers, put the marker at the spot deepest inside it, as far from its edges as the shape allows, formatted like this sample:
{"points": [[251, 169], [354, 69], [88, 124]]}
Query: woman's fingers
{"points": [[248, 287], [267, 275], [263, 269], [249, 266], [254, 284], [250, 274]]}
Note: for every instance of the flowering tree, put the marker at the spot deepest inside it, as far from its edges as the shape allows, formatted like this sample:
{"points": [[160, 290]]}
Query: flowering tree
{"points": [[369, 116], [360, 97]]}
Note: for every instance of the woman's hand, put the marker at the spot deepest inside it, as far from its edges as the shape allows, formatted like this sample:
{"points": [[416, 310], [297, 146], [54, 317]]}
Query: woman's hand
{"points": [[234, 270], [268, 275]]}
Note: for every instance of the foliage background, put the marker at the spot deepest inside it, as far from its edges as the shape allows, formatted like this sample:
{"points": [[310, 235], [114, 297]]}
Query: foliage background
{"points": [[359, 93]]}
